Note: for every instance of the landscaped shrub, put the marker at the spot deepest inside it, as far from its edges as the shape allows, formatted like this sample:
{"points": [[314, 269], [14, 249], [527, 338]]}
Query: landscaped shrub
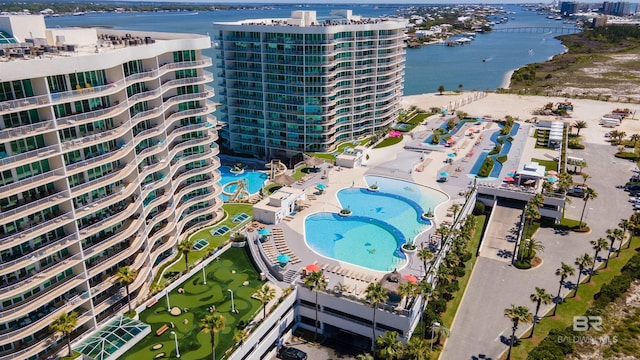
{"points": [[554, 346], [485, 169], [626, 155], [439, 305], [501, 159], [478, 208], [496, 149], [523, 264]]}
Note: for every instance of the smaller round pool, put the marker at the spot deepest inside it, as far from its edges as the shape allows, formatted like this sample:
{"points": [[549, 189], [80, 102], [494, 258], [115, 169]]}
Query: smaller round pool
{"points": [[255, 180], [358, 240]]}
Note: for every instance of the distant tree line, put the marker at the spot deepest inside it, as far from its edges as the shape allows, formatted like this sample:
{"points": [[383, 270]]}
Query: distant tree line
{"points": [[69, 8], [614, 34]]}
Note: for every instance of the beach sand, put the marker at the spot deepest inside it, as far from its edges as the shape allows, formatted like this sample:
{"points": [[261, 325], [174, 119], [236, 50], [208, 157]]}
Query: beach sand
{"points": [[497, 106]]}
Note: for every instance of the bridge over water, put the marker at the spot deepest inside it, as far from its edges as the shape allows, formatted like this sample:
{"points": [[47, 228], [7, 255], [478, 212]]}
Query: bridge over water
{"points": [[541, 29]]}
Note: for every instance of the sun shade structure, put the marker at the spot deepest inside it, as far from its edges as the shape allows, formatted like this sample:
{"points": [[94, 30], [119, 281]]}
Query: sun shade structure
{"points": [[114, 339]]}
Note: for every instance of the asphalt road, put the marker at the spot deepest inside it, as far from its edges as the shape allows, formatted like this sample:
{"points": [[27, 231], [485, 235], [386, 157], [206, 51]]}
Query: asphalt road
{"points": [[480, 330]]}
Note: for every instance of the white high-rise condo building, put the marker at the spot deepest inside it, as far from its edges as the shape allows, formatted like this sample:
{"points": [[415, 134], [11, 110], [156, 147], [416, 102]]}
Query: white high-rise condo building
{"points": [[107, 159], [302, 84]]}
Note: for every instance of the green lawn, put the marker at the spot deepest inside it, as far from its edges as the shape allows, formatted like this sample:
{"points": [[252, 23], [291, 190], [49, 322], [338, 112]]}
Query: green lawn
{"points": [[340, 148], [214, 241], [388, 142], [548, 164], [472, 247], [229, 272], [572, 306]]}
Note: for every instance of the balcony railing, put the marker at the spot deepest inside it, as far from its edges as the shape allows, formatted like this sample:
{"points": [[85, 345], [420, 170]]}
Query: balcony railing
{"points": [[78, 189], [100, 158], [30, 232], [39, 253], [34, 205], [24, 103], [112, 219], [32, 181], [93, 115], [42, 275], [30, 155], [43, 297], [93, 91], [27, 130]]}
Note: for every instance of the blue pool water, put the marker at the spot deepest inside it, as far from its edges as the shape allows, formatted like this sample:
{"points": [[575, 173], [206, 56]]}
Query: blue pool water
{"points": [[497, 166], [453, 132], [255, 180], [380, 223]]}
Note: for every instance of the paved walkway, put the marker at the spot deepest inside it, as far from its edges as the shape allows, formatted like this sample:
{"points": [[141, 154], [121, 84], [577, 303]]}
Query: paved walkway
{"points": [[480, 329]]}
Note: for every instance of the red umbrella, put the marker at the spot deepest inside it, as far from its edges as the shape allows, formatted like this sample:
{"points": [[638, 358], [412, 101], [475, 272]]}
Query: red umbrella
{"points": [[313, 267], [509, 179], [411, 278]]}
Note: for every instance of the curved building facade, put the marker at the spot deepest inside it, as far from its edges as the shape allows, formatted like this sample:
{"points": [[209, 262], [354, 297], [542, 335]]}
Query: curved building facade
{"points": [[303, 85], [107, 159]]}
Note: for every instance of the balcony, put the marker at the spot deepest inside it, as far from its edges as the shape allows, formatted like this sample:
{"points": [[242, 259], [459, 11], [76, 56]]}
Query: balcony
{"points": [[28, 259], [43, 274], [24, 207], [19, 310], [37, 230], [111, 257], [123, 212], [143, 96], [112, 177], [173, 100], [94, 115], [86, 93], [92, 162], [23, 104], [154, 130], [130, 227], [206, 77], [146, 115], [29, 156], [208, 108], [27, 130], [31, 182], [203, 62]]}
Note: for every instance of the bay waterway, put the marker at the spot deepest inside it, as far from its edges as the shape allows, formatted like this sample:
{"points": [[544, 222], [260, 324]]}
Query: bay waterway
{"points": [[480, 65]]}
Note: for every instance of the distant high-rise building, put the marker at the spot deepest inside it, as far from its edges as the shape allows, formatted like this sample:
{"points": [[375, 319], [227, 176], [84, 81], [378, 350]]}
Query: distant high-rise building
{"points": [[568, 8], [107, 159], [616, 8], [302, 84]]}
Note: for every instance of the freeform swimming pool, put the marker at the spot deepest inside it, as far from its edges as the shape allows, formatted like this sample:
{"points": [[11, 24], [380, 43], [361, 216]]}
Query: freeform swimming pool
{"points": [[380, 223], [255, 180]]}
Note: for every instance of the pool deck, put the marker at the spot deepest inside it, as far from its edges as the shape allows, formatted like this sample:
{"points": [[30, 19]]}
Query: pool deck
{"points": [[397, 162]]}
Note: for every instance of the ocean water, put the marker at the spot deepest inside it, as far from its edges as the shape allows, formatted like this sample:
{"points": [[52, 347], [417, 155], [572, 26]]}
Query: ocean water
{"points": [[427, 67]]}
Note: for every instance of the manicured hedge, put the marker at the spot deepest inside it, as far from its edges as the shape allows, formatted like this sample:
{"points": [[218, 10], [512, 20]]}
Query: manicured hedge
{"points": [[486, 168]]}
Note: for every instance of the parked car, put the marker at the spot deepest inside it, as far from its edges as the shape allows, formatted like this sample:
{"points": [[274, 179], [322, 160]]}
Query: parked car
{"points": [[576, 191], [632, 187], [291, 353]]}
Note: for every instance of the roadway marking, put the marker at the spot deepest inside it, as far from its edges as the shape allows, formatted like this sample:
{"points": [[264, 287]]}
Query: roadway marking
{"points": [[499, 335]]}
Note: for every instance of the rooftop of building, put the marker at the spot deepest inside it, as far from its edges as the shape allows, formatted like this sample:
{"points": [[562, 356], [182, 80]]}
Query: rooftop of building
{"points": [[25, 37], [308, 18]]}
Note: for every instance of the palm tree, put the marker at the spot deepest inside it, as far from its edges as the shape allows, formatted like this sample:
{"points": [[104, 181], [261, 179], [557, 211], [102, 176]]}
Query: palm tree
{"points": [[531, 213], [126, 275], [589, 194], [541, 296], [441, 333], [635, 138], [563, 271], [65, 324], [425, 255], [583, 261], [185, 247], [625, 225], [516, 314], [389, 346], [619, 235], [315, 281], [455, 208], [425, 290], [598, 245], [264, 295], [211, 324], [405, 290], [533, 245], [417, 349], [375, 294], [585, 177], [611, 236], [579, 125], [240, 335]]}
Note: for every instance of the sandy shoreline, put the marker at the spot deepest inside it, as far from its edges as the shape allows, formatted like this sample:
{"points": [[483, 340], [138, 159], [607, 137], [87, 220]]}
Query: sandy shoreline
{"points": [[520, 106], [506, 80]]}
